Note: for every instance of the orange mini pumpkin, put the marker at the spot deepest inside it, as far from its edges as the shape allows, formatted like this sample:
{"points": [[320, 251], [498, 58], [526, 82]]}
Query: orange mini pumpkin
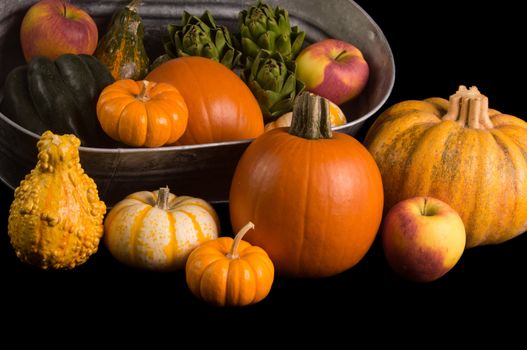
{"points": [[221, 107], [227, 272], [315, 196], [142, 113]]}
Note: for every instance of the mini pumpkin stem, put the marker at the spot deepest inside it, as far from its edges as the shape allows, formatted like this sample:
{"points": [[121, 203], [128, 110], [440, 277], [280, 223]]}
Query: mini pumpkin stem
{"points": [[162, 198], [143, 94], [311, 117], [133, 5], [469, 108], [233, 254]]}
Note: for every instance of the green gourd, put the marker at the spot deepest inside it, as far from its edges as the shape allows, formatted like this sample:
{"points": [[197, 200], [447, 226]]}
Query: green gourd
{"points": [[121, 49], [58, 95]]}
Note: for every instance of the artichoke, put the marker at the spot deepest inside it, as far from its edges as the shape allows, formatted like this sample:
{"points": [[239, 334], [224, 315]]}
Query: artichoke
{"points": [[262, 27], [200, 36], [273, 82]]}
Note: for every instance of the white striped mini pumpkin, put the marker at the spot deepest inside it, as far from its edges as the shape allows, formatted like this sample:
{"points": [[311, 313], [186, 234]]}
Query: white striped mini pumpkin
{"points": [[158, 230]]}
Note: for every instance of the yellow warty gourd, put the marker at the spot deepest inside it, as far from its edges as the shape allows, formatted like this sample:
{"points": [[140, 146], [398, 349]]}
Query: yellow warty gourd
{"points": [[56, 218]]}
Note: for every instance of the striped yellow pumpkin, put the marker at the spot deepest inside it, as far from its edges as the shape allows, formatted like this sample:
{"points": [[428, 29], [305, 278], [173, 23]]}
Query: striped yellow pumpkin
{"points": [[158, 230], [460, 151]]}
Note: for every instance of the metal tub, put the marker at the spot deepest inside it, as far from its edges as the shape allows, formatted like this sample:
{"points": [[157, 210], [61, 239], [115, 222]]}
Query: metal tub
{"points": [[199, 170]]}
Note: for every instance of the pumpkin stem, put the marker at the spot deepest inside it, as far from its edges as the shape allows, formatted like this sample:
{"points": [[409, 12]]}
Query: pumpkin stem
{"points": [[162, 198], [469, 107], [234, 250], [311, 117], [143, 94]]}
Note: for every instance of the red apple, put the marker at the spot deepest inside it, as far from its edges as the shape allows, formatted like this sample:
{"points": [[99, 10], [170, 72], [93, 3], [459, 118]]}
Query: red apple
{"points": [[333, 69], [423, 238], [54, 27]]}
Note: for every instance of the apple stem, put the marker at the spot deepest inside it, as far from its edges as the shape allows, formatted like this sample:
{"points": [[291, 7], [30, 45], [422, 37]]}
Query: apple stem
{"points": [[468, 107], [311, 117], [423, 212], [64, 7], [233, 254], [342, 53]]}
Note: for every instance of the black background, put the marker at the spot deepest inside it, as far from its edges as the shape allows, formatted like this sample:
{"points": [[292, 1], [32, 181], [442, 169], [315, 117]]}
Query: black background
{"points": [[437, 46]]}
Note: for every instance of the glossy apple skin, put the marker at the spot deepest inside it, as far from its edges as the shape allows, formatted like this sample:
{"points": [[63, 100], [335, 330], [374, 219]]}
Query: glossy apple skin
{"points": [[333, 69], [423, 238], [53, 27]]}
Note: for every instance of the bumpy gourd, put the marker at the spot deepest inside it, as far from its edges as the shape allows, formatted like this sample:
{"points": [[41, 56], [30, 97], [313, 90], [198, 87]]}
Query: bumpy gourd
{"points": [[56, 218]]}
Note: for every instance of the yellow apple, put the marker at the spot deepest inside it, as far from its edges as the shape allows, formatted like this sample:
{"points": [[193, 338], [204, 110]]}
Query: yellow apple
{"points": [[423, 238]]}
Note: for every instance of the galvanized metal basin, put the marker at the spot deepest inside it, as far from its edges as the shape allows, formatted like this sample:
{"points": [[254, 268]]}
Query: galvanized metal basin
{"points": [[199, 170]]}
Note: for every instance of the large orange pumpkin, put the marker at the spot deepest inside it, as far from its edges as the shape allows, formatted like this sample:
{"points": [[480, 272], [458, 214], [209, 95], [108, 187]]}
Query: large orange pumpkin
{"points": [[221, 107], [316, 198], [461, 152]]}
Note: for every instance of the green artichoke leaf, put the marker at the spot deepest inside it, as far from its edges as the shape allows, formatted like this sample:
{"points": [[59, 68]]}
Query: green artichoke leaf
{"points": [[263, 27], [272, 26], [284, 27], [267, 40], [282, 107], [249, 47], [228, 59], [209, 51], [186, 17], [172, 29], [219, 41], [289, 86], [298, 39], [273, 82], [200, 36], [271, 75], [283, 45], [208, 19]]}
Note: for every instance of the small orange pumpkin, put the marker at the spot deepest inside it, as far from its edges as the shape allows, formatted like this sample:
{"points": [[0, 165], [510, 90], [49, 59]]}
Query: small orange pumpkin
{"points": [[142, 113], [227, 272], [221, 107]]}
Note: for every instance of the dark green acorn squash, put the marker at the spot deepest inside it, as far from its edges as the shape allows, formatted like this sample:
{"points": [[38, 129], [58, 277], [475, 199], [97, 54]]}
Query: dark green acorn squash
{"points": [[59, 95], [122, 49]]}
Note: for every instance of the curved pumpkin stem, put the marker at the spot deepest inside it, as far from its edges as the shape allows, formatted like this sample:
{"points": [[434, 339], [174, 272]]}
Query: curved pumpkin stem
{"points": [[162, 198], [311, 117], [233, 254], [469, 108]]}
